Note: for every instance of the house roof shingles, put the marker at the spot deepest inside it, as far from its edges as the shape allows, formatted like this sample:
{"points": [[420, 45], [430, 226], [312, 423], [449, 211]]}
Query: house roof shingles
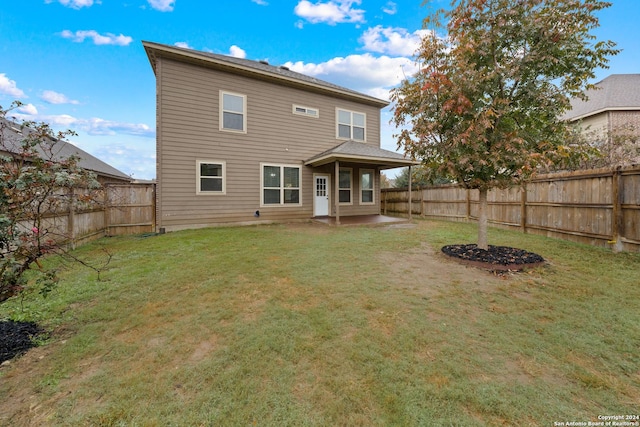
{"points": [[362, 153], [616, 92]]}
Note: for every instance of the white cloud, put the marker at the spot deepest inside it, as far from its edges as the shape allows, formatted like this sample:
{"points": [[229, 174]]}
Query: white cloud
{"points": [[9, 87], [162, 5], [135, 158], [98, 39], [260, 2], [390, 8], [365, 73], [392, 41], [237, 52], [28, 109], [182, 44], [60, 120], [53, 97], [96, 126], [332, 12], [93, 126], [74, 4]]}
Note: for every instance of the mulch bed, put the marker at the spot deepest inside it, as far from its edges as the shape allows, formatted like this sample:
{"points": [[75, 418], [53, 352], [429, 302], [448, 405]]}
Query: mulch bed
{"points": [[496, 258], [16, 338]]}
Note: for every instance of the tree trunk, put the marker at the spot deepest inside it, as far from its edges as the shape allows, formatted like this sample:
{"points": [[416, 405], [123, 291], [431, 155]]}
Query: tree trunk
{"points": [[482, 220]]}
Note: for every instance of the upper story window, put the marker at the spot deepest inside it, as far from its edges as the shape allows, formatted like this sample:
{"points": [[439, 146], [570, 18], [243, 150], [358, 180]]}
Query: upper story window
{"points": [[306, 111], [351, 125], [233, 112], [211, 177]]}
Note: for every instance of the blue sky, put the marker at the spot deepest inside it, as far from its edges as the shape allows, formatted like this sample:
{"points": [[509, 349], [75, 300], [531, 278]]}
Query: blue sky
{"points": [[80, 64]]}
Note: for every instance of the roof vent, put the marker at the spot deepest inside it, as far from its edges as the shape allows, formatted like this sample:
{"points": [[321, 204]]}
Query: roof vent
{"points": [[282, 67], [264, 62]]}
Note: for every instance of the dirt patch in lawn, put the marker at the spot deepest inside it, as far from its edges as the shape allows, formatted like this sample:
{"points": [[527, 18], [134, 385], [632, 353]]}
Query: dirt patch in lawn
{"points": [[427, 272]]}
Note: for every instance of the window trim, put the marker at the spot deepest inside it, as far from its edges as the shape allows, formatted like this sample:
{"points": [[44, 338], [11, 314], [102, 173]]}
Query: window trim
{"points": [[294, 109], [222, 111], [199, 190], [351, 126], [282, 187], [350, 202], [372, 189]]}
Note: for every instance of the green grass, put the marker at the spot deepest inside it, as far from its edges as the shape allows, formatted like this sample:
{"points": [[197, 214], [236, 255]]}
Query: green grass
{"points": [[304, 325]]}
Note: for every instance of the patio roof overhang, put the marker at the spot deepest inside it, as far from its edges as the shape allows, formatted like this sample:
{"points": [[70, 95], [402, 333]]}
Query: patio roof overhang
{"points": [[360, 152]]}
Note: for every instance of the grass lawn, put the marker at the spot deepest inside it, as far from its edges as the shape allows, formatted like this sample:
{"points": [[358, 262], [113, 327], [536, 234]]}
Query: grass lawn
{"points": [[305, 325]]}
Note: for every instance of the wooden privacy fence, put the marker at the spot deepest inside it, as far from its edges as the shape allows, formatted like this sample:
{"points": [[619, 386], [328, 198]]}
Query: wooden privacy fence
{"points": [[127, 209], [600, 207]]}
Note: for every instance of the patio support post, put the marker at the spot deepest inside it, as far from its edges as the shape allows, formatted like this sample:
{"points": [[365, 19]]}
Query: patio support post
{"points": [[336, 187], [410, 207]]}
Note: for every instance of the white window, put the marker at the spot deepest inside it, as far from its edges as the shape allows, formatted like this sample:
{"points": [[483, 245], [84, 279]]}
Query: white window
{"points": [[306, 111], [350, 125], [345, 183], [211, 177], [280, 185], [233, 112], [367, 187]]}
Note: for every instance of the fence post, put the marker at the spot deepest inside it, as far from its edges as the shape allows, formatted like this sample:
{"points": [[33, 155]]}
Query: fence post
{"points": [[523, 208], [410, 207], [617, 216], [106, 210], [468, 204], [385, 202], [71, 220]]}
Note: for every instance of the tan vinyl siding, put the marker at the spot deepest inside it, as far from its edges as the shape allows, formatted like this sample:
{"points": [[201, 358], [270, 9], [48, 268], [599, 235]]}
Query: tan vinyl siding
{"points": [[188, 130], [596, 126]]}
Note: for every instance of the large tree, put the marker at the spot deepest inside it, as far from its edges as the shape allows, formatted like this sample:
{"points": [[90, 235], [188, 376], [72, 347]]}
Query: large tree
{"points": [[485, 106]]}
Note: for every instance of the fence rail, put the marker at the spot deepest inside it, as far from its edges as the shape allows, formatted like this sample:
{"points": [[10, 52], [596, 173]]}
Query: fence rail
{"points": [[599, 207]]}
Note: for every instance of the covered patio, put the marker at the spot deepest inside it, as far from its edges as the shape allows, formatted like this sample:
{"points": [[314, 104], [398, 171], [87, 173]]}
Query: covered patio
{"points": [[357, 155]]}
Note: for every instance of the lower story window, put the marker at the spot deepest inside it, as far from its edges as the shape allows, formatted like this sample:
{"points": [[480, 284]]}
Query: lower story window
{"points": [[366, 187], [280, 185], [344, 186], [211, 177]]}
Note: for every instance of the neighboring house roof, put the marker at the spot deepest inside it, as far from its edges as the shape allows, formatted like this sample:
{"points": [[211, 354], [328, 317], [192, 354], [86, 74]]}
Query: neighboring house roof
{"points": [[616, 92], [13, 134], [256, 69], [353, 151]]}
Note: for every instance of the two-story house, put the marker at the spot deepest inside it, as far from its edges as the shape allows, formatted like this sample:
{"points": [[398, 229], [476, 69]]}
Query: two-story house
{"points": [[242, 141]]}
